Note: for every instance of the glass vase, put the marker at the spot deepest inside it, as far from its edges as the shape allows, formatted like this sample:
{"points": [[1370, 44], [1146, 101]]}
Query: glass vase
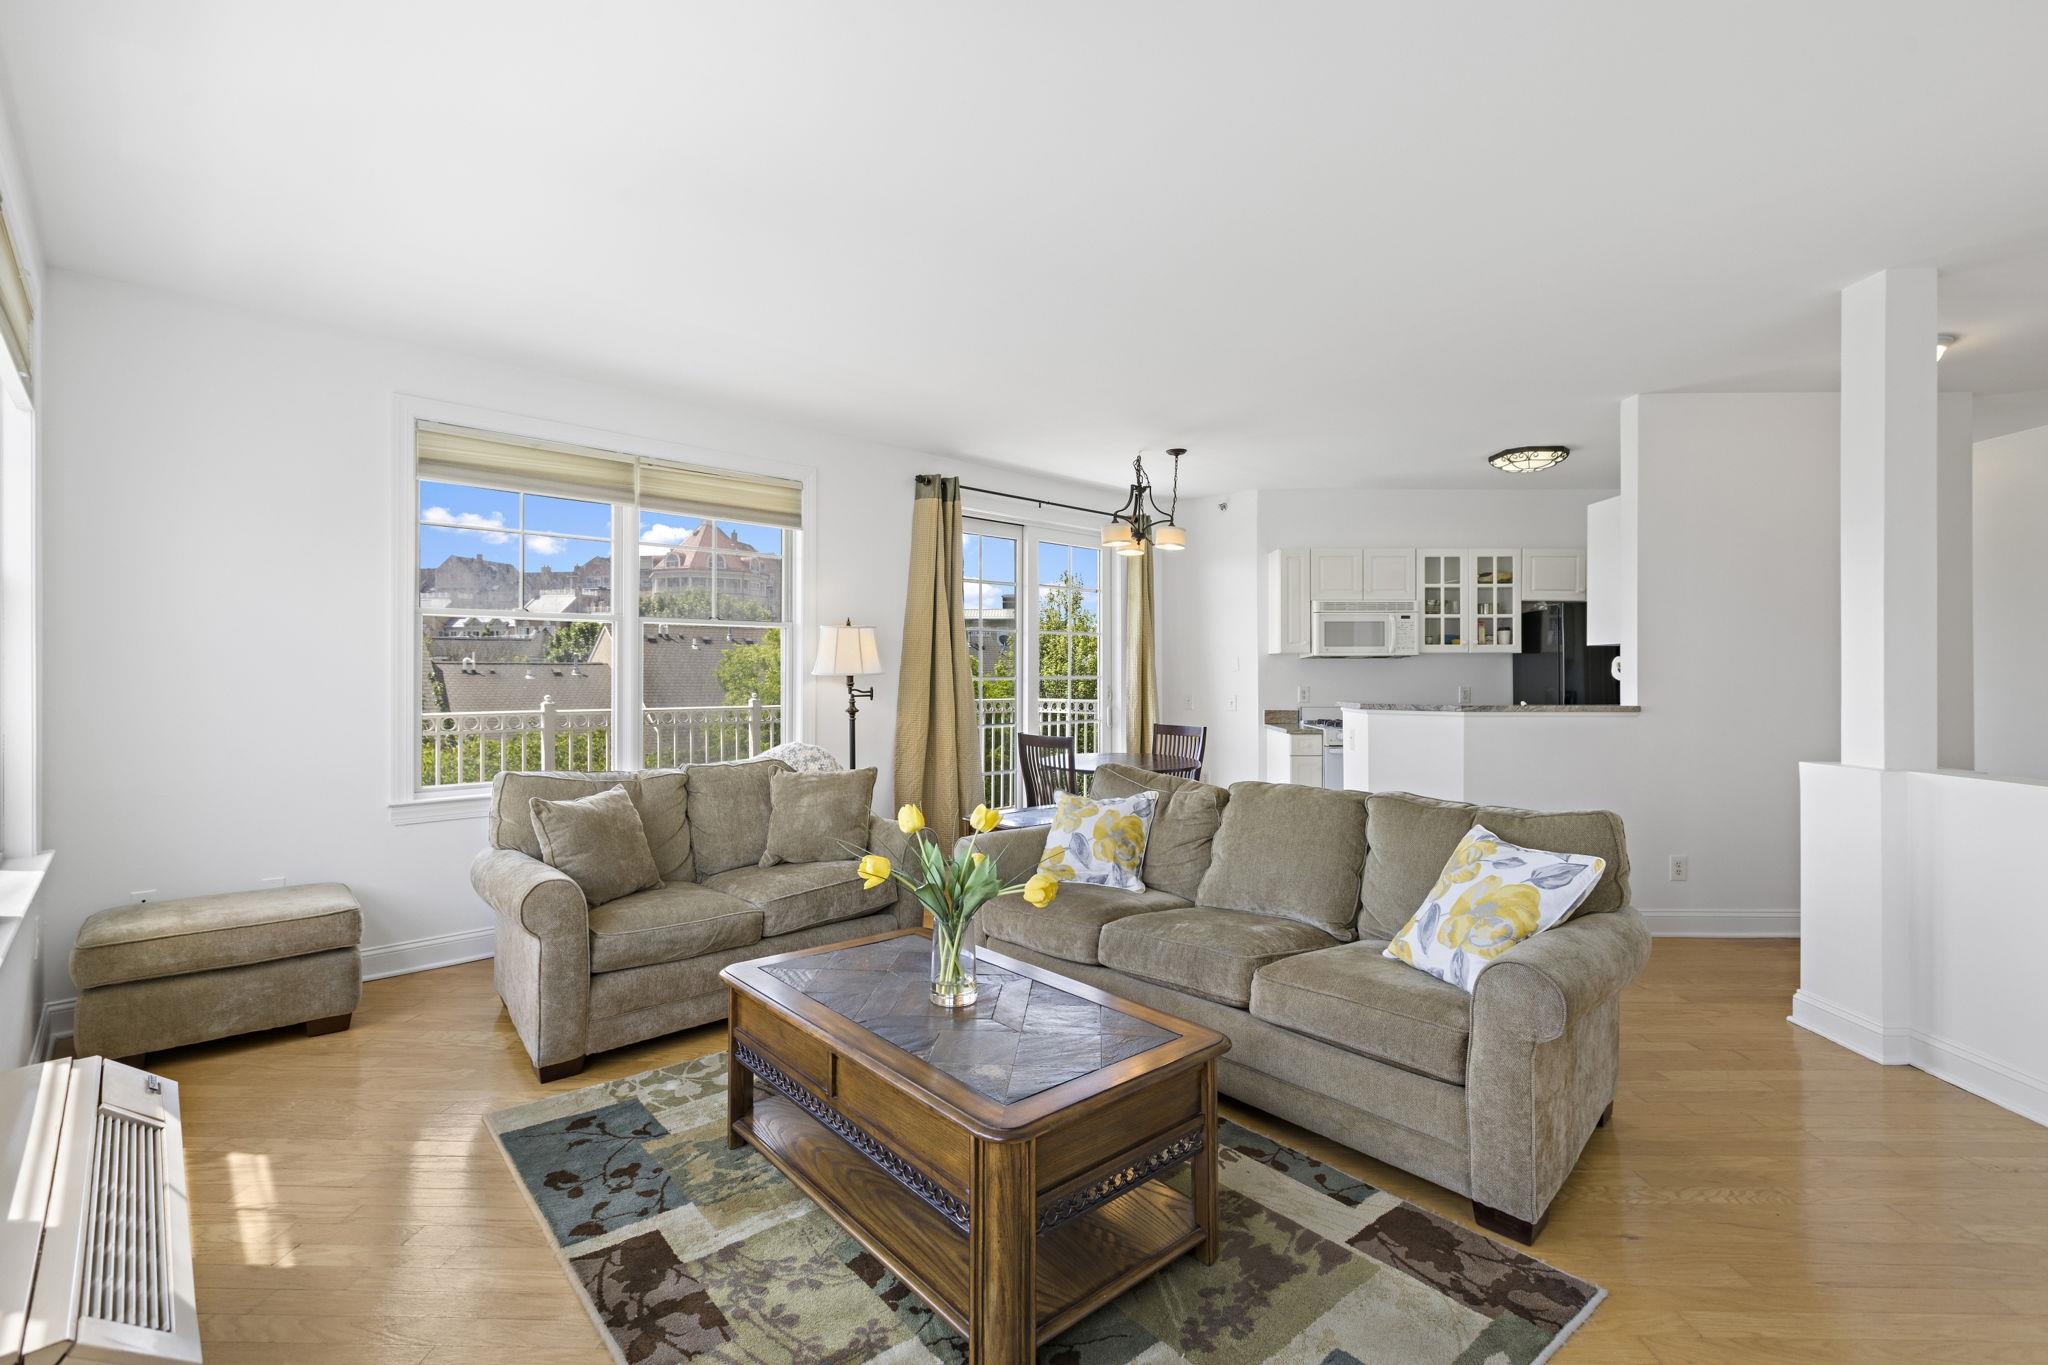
{"points": [[952, 967]]}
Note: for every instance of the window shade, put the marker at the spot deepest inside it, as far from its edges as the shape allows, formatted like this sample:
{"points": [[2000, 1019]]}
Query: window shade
{"points": [[17, 314], [668, 487], [460, 455]]}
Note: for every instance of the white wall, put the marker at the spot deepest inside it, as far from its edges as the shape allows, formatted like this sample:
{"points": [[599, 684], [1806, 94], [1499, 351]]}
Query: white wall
{"points": [[217, 508], [2011, 645], [1511, 517], [1210, 599]]}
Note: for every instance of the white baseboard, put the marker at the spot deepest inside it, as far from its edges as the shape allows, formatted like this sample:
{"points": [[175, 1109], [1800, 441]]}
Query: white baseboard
{"points": [[425, 954], [387, 959], [1721, 923], [2003, 1084]]}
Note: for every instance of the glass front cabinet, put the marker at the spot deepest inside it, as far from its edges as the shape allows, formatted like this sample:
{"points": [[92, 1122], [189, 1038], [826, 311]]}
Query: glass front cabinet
{"points": [[1470, 601]]}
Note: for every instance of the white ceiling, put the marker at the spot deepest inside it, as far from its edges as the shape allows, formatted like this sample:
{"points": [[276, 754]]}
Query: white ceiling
{"points": [[1336, 243]]}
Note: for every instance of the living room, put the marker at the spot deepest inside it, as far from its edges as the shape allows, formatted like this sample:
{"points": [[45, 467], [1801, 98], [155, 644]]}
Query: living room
{"points": [[355, 354]]}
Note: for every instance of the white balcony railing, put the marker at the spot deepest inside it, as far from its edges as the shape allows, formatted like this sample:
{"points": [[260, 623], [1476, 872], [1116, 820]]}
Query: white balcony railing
{"points": [[1075, 716], [474, 746]]}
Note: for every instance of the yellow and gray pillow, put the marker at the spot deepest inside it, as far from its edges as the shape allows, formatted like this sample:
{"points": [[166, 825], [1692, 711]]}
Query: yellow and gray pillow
{"points": [[1099, 841], [1491, 896]]}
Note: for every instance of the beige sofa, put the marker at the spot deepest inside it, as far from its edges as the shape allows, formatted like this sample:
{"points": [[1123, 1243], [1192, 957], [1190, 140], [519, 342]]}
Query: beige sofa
{"points": [[1264, 915], [578, 979]]}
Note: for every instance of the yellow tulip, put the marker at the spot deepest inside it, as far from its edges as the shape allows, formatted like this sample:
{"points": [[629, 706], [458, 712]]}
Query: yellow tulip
{"points": [[874, 870], [1040, 890], [983, 820], [977, 857], [910, 819]]}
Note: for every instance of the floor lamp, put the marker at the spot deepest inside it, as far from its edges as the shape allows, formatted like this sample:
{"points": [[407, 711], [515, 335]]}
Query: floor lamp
{"points": [[849, 651]]}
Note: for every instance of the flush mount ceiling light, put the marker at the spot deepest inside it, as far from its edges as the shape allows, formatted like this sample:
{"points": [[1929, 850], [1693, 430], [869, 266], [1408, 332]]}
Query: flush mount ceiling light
{"points": [[1528, 459], [1941, 345]]}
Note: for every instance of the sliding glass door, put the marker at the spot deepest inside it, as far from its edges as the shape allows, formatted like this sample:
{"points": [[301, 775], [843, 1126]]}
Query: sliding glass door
{"points": [[1035, 633]]}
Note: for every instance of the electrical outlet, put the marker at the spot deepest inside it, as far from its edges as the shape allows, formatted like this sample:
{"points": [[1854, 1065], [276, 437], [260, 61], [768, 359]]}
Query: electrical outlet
{"points": [[1230, 703], [270, 884], [142, 897], [1680, 866], [1301, 695], [1464, 694], [1187, 703]]}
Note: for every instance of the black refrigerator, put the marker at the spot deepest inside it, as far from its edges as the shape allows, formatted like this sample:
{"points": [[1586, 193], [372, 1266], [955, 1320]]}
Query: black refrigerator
{"points": [[1556, 666]]}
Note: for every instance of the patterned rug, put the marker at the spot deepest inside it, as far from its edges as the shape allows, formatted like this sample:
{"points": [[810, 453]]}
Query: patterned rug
{"points": [[685, 1251]]}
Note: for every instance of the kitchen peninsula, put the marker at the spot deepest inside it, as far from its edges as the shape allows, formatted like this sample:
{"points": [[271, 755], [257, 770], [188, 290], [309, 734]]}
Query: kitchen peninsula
{"points": [[1554, 757]]}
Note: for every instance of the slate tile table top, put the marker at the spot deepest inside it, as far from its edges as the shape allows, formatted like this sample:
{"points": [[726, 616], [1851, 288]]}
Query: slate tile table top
{"points": [[1016, 1164]]}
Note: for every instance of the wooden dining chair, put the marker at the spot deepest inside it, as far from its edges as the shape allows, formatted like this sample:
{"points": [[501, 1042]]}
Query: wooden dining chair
{"points": [[1181, 742], [1047, 762]]}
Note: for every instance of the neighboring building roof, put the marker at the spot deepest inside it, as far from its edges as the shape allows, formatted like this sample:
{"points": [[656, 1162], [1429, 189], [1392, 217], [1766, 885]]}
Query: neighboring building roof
{"points": [[694, 551], [675, 675], [554, 602]]}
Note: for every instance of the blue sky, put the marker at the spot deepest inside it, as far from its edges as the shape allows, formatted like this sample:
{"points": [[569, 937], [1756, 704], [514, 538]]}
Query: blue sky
{"points": [[560, 533]]}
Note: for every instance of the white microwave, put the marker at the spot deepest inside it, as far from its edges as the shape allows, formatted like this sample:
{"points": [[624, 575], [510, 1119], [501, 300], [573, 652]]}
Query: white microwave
{"points": [[1361, 630]]}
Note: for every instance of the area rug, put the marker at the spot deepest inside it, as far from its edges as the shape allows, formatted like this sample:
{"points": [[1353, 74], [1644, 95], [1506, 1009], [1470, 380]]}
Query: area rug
{"points": [[685, 1251]]}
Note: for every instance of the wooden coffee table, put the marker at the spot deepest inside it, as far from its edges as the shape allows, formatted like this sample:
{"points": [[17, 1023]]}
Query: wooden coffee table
{"points": [[1002, 1160]]}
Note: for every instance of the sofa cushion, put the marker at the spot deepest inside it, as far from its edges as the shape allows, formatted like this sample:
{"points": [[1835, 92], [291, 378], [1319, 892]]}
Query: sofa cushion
{"points": [[1408, 841], [670, 923], [1183, 827], [1358, 1000], [1595, 832], [729, 805], [659, 795], [794, 896], [202, 933], [1290, 851], [1069, 928], [1207, 952], [598, 841], [818, 817]]}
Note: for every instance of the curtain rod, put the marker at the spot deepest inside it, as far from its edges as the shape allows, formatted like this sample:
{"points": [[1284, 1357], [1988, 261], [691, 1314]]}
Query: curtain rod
{"points": [[1026, 497]]}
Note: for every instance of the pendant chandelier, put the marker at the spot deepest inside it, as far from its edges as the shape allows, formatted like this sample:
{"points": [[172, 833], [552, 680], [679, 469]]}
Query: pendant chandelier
{"points": [[1141, 521]]}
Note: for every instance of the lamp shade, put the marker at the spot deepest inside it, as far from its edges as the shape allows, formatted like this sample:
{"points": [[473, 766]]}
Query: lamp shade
{"points": [[1116, 534], [847, 651], [1169, 538]]}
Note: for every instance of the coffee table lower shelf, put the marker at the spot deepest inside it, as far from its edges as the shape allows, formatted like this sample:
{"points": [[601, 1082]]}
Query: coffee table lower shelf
{"points": [[1081, 1264]]}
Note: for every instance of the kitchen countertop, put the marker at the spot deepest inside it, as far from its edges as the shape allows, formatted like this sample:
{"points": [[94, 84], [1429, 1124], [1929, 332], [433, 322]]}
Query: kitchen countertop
{"points": [[1501, 710], [1289, 723]]}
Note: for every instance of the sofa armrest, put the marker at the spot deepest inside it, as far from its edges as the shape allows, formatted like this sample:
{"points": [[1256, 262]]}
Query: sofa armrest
{"points": [[1535, 989], [1016, 851], [542, 900]]}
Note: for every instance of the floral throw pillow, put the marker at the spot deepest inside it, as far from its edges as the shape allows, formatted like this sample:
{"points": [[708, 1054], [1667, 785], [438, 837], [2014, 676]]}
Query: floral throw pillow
{"points": [[1491, 896], [1099, 841]]}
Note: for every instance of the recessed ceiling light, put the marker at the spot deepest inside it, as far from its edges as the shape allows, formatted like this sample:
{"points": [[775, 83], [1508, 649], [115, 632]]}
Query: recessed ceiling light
{"points": [[1528, 459], [1941, 345]]}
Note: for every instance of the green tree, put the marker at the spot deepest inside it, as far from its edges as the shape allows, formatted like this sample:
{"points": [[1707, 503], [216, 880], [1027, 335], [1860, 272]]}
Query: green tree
{"points": [[753, 670], [694, 604], [572, 642]]}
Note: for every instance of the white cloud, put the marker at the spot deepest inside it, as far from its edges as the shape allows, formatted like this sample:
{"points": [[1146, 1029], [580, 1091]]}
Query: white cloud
{"points": [[493, 525], [661, 535], [546, 545], [986, 596]]}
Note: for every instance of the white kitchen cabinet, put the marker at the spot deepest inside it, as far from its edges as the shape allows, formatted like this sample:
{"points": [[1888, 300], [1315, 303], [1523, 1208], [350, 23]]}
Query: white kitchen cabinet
{"points": [[1389, 575], [1553, 575], [1470, 601], [1294, 758], [1287, 602], [1336, 575]]}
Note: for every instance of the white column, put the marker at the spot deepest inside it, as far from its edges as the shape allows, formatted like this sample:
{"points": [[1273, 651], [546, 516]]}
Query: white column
{"points": [[1889, 499], [1857, 980]]}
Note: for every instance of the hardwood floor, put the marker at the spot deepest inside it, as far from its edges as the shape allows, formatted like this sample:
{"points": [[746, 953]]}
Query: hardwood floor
{"points": [[1761, 1195]]}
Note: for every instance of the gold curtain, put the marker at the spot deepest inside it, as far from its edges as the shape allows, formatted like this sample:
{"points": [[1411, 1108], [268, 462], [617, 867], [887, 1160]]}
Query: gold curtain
{"points": [[938, 741], [1141, 654]]}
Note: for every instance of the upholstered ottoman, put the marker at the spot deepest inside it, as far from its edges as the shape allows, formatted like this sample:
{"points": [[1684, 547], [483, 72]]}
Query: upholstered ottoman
{"points": [[169, 973]]}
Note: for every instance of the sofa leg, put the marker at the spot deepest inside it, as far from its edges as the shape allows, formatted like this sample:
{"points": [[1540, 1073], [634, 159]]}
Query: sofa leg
{"points": [[1606, 1116], [1507, 1225], [560, 1070], [333, 1023]]}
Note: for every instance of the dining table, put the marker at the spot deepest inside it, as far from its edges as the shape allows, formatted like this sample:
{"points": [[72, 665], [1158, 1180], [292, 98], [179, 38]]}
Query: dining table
{"points": [[1173, 765]]}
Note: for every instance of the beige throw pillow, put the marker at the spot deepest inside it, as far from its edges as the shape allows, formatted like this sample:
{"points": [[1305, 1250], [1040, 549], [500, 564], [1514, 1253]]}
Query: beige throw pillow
{"points": [[599, 841], [818, 817], [729, 809]]}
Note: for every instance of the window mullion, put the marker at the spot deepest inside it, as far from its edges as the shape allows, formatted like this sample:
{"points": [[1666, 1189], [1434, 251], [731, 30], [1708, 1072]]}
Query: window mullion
{"points": [[628, 732]]}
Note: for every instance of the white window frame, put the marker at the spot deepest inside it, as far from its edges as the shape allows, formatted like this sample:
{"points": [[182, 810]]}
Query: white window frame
{"points": [[408, 802], [1000, 518]]}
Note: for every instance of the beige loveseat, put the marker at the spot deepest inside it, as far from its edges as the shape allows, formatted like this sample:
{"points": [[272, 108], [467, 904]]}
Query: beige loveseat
{"points": [[1265, 912], [578, 979]]}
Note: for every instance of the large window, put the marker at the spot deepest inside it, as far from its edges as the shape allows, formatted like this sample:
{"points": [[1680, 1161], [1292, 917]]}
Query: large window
{"points": [[560, 589], [1033, 598]]}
